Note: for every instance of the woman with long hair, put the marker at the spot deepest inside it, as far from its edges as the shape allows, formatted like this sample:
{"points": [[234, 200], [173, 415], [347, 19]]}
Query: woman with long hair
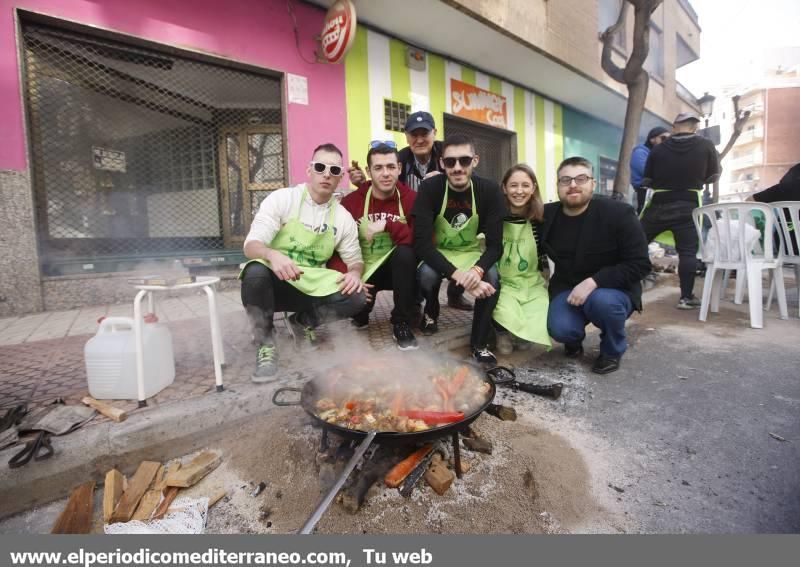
{"points": [[521, 311]]}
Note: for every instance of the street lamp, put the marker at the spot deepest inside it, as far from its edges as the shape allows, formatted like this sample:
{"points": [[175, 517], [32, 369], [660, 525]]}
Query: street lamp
{"points": [[706, 103]]}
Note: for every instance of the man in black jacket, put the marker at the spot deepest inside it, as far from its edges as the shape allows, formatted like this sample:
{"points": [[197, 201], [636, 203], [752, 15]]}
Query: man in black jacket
{"points": [[600, 256], [676, 170], [449, 213]]}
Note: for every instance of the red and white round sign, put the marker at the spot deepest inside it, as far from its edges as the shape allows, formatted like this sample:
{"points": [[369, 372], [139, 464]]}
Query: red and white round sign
{"points": [[339, 31]]}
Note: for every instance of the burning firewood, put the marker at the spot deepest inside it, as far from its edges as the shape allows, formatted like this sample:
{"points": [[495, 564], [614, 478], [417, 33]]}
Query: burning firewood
{"points": [[354, 496], [401, 470]]}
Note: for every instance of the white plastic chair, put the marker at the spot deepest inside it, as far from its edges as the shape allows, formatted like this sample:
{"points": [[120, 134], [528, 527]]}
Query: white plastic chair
{"points": [[732, 244], [790, 243]]}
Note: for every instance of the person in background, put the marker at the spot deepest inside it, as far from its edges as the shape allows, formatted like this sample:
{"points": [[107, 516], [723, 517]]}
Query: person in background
{"points": [[521, 311], [639, 159], [449, 213], [382, 209], [293, 235], [600, 256], [787, 189], [419, 160], [676, 170]]}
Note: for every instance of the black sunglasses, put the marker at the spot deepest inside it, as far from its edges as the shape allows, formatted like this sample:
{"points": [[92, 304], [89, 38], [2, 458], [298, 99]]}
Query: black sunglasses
{"points": [[463, 161], [319, 167]]}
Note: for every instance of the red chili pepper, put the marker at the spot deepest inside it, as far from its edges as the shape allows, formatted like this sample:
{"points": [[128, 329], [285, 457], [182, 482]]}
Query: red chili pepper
{"points": [[434, 417], [350, 405]]}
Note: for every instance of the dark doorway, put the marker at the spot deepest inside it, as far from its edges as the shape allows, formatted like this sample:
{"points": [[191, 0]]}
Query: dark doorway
{"points": [[497, 148], [141, 154]]}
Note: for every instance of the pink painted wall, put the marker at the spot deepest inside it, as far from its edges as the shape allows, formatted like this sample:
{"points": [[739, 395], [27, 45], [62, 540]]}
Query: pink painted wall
{"points": [[256, 32]]}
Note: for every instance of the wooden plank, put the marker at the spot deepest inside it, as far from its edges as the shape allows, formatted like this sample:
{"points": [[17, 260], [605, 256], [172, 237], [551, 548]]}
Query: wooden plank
{"points": [[112, 491], [170, 469], [76, 518], [136, 488], [169, 495], [147, 505], [109, 411], [217, 496], [151, 498], [191, 474]]}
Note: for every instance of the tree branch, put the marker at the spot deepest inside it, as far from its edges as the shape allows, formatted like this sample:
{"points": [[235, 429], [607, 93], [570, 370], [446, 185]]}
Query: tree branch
{"points": [[740, 119], [607, 37]]}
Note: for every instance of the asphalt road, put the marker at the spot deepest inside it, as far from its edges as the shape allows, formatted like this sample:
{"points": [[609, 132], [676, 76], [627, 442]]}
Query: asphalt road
{"points": [[707, 418]]}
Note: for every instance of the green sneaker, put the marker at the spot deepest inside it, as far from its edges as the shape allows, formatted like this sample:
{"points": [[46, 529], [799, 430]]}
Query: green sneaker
{"points": [[266, 363], [302, 334]]}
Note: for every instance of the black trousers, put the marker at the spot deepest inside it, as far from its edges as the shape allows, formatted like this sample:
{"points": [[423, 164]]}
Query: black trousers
{"points": [[641, 193], [263, 294], [430, 280], [398, 274], [677, 217]]}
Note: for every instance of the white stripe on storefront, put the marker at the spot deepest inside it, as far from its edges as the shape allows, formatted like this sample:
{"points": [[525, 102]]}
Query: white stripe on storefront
{"points": [[451, 71], [420, 92], [380, 82], [530, 132], [550, 150], [508, 92], [482, 80]]}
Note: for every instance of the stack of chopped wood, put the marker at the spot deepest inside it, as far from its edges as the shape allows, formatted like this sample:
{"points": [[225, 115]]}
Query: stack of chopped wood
{"points": [[147, 495]]}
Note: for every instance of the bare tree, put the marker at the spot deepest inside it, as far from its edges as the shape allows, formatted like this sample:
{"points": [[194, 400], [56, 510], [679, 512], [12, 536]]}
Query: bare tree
{"points": [[634, 76], [740, 118]]}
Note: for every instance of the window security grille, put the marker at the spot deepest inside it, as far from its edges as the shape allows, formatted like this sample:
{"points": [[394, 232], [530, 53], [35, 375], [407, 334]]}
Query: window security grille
{"points": [[395, 115], [139, 154]]}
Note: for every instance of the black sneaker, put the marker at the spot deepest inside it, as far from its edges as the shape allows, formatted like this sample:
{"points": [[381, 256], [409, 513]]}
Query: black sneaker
{"points": [[428, 326], [360, 323], [403, 336], [458, 302], [484, 355], [605, 364], [573, 351], [266, 363], [302, 333], [688, 303]]}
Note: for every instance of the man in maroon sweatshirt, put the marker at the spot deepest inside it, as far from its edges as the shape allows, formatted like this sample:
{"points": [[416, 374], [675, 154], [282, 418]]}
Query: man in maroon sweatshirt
{"points": [[382, 209]]}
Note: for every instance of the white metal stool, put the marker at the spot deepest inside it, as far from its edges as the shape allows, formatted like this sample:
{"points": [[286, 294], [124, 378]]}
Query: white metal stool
{"points": [[207, 283]]}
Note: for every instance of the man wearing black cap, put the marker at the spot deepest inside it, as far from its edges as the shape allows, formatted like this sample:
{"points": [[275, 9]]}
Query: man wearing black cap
{"points": [[639, 159], [676, 170], [420, 159]]}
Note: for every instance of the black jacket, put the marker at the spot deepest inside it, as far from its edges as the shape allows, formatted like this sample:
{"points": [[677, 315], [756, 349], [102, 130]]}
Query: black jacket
{"points": [[489, 205], [681, 163], [611, 249], [408, 165]]}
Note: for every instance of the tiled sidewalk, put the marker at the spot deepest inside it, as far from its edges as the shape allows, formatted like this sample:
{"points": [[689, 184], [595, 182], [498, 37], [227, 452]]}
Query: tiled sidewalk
{"points": [[41, 355]]}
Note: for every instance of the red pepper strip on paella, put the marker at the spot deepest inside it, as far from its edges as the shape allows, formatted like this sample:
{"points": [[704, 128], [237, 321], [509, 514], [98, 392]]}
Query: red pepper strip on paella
{"points": [[434, 417], [458, 380]]}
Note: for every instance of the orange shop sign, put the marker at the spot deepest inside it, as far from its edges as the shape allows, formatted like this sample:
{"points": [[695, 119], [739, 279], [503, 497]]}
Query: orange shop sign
{"points": [[478, 104]]}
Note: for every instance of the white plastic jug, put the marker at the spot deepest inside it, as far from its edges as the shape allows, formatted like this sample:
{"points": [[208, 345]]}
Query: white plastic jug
{"points": [[111, 360]]}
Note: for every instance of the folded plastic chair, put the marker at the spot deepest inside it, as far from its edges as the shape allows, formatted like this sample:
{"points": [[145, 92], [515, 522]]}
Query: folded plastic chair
{"points": [[732, 243]]}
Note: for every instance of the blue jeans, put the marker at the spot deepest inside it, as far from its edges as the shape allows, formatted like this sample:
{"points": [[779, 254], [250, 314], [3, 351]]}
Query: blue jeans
{"points": [[607, 309]]}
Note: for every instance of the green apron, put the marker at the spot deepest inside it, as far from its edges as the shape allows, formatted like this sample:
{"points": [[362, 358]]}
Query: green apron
{"points": [[522, 305], [375, 253], [460, 246], [310, 251], [667, 238]]}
